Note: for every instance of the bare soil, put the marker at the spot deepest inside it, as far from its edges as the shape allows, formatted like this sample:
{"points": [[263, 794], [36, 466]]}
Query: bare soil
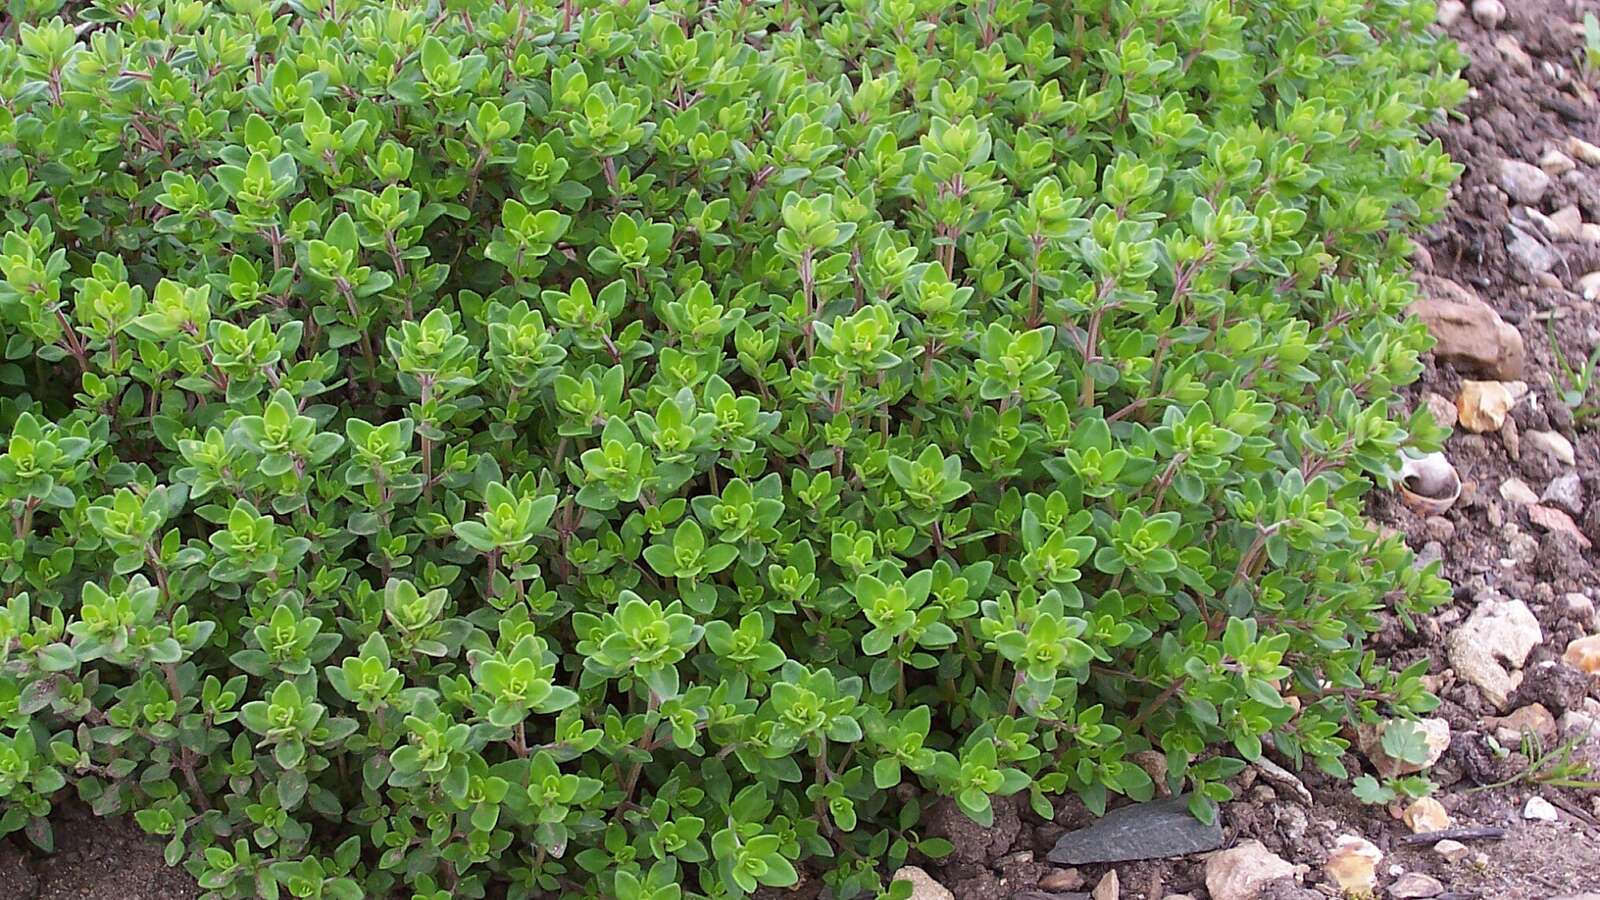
{"points": [[95, 859], [1529, 96]]}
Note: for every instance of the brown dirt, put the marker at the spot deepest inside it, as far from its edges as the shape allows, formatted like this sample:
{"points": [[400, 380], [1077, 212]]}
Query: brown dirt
{"points": [[95, 859], [1520, 107]]}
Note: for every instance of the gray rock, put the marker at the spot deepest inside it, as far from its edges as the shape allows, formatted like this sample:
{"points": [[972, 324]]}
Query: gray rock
{"points": [[1522, 182], [1431, 552], [1155, 830], [1566, 492], [1530, 252]]}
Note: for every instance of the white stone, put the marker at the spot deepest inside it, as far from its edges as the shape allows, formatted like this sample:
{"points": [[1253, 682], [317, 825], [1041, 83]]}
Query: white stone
{"points": [[1517, 492], [1553, 444], [1490, 647], [1538, 809], [1581, 609], [1565, 224], [1241, 872], [1515, 56], [1435, 737], [1583, 723], [1530, 252], [1109, 888], [1554, 162], [1489, 13]]}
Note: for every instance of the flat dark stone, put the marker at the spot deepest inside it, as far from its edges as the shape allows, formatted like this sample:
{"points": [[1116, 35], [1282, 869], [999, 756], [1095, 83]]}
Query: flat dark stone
{"points": [[1155, 830]]}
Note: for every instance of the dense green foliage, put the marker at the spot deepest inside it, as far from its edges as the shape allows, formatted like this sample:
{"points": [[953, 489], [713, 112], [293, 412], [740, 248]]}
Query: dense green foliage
{"points": [[656, 450]]}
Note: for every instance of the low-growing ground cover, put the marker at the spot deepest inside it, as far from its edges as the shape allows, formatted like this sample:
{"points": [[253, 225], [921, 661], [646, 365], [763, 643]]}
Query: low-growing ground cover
{"points": [[654, 449]]}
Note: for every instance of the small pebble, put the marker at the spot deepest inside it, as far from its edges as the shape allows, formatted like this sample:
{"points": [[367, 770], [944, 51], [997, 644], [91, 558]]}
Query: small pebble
{"points": [[1539, 809], [1489, 13], [1426, 814], [1515, 490], [1583, 151], [1455, 851], [1581, 610], [1522, 182], [1442, 408], [1566, 492], [1062, 880], [1415, 886], [1431, 552], [1553, 444], [1533, 254], [1565, 224], [1521, 548], [1555, 163], [1515, 56]]}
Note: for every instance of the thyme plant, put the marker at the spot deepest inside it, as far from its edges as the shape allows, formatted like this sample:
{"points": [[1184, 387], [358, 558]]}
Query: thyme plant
{"points": [[660, 449]]}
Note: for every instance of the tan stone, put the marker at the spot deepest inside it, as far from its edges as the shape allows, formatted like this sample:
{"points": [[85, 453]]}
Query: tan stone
{"points": [[1583, 150], [1442, 410], [1553, 444], [1353, 864], [1554, 162], [1454, 851], [1532, 719], [1553, 520], [1426, 814], [1469, 332], [1061, 880], [1109, 888], [1565, 224], [1415, 886], [1584, 654], [1482, 405]]}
